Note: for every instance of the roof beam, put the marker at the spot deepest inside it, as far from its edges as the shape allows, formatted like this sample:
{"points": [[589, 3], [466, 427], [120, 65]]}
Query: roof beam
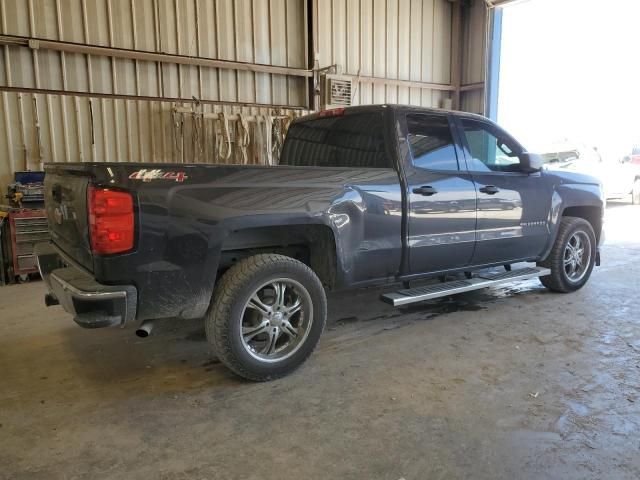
{"points": [[36, 43]]}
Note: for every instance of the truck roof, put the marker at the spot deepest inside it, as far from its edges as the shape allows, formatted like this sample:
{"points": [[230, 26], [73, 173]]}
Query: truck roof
{"points": [[381, 107]]}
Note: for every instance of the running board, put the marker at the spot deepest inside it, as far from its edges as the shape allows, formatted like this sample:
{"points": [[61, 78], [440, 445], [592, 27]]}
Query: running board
{"points": [[429, 292]]}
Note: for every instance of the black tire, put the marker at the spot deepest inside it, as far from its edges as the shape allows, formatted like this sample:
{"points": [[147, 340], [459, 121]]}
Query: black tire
{"points": [[559, 280], [635, 192], [224, 320]]}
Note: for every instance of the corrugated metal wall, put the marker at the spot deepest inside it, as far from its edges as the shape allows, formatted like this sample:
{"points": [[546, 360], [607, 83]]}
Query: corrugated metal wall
{"points": [[64, 106], [474, 56], [394, 39], [112, 123], [238, 30], [41, 128]]}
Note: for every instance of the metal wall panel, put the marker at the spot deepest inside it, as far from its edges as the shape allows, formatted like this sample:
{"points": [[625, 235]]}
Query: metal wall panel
{"points": [[237, 30], [395, 39], [39, 128], [474, 56]]}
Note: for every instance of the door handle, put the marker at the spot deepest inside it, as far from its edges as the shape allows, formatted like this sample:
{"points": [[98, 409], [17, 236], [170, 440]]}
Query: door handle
{"points": [[426, 190], [490, 189]]}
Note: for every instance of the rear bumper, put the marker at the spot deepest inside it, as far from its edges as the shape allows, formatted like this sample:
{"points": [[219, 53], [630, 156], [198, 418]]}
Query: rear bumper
{"points": [[92, 304]]}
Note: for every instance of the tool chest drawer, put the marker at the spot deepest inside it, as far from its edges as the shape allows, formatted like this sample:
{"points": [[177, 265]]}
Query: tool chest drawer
{"points": [[28, 227]]}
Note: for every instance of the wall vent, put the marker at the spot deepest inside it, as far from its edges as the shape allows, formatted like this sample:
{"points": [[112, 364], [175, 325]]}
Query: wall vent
{"points": [[338, 90]]}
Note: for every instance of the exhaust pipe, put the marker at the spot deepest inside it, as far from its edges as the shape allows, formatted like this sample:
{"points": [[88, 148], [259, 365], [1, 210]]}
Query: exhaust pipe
{"points": [[144, 330]]}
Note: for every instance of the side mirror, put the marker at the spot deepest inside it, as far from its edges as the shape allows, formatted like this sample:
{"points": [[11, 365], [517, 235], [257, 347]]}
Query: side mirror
{"points": [[530, 162], [625, 159]]}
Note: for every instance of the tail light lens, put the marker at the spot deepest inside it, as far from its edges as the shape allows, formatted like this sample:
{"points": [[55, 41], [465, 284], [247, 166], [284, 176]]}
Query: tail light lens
{"points": [[111, 222]]}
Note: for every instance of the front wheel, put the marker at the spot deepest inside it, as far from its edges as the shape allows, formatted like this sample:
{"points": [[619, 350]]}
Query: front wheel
{"points": [[572, 257], [267, 315]]}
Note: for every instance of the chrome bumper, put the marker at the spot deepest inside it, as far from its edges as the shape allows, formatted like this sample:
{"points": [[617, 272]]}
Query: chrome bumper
{"points": [[92, 304]]}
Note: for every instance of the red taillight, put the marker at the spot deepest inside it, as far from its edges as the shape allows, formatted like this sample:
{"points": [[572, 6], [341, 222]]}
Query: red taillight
{"points": [[111, 223]]}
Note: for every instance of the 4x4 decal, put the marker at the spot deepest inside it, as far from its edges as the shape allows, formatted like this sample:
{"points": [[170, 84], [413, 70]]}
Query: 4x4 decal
{"points": [[157, 174]]}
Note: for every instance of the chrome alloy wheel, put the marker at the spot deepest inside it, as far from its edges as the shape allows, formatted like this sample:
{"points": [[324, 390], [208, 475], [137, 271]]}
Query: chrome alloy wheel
{"points": [[276, 320], [577, 256]]}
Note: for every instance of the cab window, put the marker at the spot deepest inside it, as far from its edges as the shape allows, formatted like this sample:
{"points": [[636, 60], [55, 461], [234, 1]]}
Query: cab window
{"points": [[490, 151], [430, 142], [353, 141]]}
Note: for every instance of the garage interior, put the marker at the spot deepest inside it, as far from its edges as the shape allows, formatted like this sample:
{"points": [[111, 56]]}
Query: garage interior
{"points": [[506, 382]]}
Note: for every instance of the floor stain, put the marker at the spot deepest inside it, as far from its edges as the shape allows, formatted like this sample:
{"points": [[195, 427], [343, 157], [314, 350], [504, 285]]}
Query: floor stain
{"points": [[196, 336]]}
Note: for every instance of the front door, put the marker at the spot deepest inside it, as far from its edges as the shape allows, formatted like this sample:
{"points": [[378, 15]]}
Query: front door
{"points": [[442, 198], [513, 206]]}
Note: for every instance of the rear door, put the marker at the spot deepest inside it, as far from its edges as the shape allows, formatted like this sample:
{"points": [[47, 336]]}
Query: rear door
{"points": [[513, 206], [66, 207], [347, 151], [442, 197]]}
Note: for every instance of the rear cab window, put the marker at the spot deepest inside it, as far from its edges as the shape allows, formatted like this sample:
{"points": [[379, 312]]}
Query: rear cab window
{"points": [[351, 140]]}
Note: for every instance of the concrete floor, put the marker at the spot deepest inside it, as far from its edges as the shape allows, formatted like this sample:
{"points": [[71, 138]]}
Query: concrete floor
{"points": [[503, 383]]}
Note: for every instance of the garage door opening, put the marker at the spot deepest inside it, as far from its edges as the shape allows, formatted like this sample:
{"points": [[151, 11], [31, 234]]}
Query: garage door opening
{"points": [[566, 75]]}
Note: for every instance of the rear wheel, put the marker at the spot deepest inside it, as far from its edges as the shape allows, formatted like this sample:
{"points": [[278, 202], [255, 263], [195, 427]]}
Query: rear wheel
{"points": [[267, 315], [572, 257], [635, 192]]}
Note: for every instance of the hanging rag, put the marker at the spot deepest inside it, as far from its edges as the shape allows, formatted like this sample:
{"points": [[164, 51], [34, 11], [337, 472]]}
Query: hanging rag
{"points": [[243, 137], [196, 135], [277, 140], [259, 141], [268, 136], [178, 130], [223, 137]]}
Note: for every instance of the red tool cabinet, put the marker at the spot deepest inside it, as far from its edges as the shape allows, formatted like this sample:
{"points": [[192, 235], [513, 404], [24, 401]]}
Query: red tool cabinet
{"points": [[28, 227]]}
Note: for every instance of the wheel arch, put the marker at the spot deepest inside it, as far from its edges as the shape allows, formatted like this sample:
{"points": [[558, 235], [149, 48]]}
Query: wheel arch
{"points": [[590, 213], [313, 244]]}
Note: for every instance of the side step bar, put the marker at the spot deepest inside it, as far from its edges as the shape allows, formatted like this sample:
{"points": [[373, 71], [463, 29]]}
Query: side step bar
{"points": [[429, 292]]}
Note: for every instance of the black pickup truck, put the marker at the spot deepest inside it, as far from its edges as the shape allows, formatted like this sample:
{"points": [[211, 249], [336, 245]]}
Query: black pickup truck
{"points": [[365, 195]]}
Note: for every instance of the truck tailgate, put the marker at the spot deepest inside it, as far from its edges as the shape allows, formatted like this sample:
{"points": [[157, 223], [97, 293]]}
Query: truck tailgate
{"points": [[66, 206]]}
